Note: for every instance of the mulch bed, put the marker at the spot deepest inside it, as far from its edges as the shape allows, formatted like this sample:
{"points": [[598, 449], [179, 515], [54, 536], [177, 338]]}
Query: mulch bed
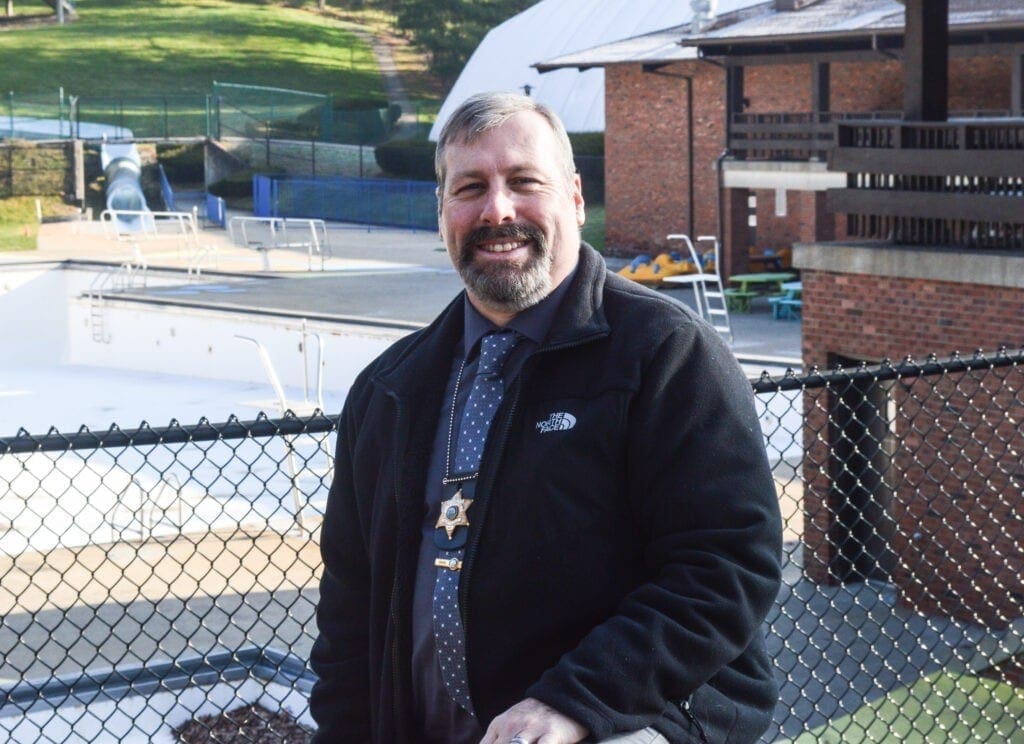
{"points": [[252, 724]]}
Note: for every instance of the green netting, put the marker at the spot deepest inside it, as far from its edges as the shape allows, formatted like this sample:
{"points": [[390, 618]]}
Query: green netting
{"points": [[145, 116], [257, 111], [231, 110], [46, 116]]}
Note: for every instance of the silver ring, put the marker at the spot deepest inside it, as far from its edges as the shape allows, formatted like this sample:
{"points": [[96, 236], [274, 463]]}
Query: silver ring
{"points": [[518, 740]]}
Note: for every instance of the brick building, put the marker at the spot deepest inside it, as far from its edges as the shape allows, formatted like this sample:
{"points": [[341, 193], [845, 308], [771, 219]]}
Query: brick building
{"points": [[890, 158]]}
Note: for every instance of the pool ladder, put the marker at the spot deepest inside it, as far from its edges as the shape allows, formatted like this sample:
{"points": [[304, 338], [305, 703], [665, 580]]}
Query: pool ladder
{"points": [[302, 449], [131, 273], [708, 294]]}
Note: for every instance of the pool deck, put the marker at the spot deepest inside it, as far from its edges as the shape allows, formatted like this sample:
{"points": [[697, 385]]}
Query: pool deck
{"points": [[378, 275]]}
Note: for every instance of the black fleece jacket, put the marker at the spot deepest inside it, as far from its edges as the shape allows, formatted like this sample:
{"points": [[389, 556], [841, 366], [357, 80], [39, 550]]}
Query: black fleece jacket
{"points": [[619, 570]]}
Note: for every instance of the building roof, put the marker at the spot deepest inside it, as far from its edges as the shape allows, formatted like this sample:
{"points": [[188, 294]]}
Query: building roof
{"points": [[655, 48], [505, 59], [761, 25]]}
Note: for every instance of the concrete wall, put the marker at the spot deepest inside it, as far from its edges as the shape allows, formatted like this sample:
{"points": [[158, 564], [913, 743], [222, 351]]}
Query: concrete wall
{"points": [[219, 163]]}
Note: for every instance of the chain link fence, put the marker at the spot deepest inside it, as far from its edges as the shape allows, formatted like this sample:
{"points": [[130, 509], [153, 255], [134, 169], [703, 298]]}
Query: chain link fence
{"points": [[228, 110], [160, 584]]}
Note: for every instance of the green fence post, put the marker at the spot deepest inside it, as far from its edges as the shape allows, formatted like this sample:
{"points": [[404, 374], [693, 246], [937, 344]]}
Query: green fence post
{"points": [[10, 108], [328, 135], [209, 133], [165, 117]]}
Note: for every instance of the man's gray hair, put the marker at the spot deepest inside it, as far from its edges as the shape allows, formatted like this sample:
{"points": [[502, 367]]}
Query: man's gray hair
{"points": [[485, 111]]}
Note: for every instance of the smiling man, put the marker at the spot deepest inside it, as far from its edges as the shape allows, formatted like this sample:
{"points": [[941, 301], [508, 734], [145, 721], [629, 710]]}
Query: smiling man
{"points": [[552, 518]]}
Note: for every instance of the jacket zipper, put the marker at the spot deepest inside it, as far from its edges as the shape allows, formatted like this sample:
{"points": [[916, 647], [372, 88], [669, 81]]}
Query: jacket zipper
{"points": [[396, 678], [471, 549], [684, 706]]}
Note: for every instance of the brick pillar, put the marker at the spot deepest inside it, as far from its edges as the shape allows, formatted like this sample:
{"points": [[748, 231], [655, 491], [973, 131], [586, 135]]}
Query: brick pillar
{"points": [[736, 237], [824, 220]]}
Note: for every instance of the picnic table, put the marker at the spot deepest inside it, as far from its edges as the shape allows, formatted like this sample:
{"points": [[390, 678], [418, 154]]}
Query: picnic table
{"points": [[754, 285], [789, 304]]}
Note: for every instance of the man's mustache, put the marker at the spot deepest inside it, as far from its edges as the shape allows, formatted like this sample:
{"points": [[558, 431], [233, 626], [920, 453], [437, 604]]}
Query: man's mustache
{"points": [[514, 232]]}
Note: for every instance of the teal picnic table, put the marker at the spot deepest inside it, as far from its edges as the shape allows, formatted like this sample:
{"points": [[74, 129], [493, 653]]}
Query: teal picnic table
{"points": [[754, 285], [789, 304]]}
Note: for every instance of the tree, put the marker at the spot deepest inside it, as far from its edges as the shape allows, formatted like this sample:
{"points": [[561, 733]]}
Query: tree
{"points": [[449, 30]]}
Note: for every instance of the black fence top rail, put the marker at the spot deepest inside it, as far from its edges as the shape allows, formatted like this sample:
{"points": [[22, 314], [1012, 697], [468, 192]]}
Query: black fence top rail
{"points": [[318, 423], [175, 433], [887, 370]]}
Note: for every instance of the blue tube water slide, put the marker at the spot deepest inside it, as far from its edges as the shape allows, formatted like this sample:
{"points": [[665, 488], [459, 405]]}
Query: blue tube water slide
{"points": [[123, 170]]}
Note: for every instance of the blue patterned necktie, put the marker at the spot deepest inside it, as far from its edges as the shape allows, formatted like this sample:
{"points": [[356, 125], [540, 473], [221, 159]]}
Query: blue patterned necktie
{"points": [[484, 398]]}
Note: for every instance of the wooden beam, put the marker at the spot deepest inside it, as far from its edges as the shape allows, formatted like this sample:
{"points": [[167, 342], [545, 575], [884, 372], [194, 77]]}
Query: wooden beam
{"points": [[928, 205], [807, 128], [893, 50], [972, 163], [803, 58], [821, 87], [807, 143], [1017, 84], [926, 60]]}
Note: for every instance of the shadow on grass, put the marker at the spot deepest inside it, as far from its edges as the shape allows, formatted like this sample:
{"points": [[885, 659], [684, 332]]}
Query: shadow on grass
{"points": [[944, 706], [182, 47]]}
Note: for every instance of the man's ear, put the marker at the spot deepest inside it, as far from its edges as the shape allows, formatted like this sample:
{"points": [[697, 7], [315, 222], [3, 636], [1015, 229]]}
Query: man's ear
{"points": [[577, 197], [437, 195]]}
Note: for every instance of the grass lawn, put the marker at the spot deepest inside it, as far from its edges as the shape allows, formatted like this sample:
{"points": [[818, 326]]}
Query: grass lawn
{"points": [[943, 707], [19, 224], [179, 47]]}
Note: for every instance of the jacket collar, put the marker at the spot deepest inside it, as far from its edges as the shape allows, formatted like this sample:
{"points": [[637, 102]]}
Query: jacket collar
{"points": [[580, 318]]}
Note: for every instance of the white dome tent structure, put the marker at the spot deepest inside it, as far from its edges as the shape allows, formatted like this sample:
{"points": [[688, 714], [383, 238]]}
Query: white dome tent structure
{"points": [[504, 59]]}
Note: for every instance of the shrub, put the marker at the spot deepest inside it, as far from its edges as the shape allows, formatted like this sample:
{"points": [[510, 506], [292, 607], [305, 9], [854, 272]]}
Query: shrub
{"points": [[394, 114], [359, 126], [182, 163], [587, 143], [361, 103], [588, 148], [412, 159]]}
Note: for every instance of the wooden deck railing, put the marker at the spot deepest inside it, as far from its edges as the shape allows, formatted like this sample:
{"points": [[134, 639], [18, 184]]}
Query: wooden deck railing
{"points": [[957, 183], [800, 136]]}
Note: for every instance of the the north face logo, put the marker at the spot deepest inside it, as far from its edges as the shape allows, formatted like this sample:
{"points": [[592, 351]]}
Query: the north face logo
{"points": [[559, 421]]}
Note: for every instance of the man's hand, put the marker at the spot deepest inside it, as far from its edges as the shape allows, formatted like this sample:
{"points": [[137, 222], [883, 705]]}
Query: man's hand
{"points": [[533, 722]]}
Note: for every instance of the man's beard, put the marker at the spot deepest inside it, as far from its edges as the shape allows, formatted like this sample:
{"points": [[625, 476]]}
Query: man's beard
{"points": [[507, 288]]}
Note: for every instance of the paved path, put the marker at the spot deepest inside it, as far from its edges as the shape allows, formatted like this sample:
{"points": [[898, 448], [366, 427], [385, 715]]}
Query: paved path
{"points": [[393, 85], [129, 603]]}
